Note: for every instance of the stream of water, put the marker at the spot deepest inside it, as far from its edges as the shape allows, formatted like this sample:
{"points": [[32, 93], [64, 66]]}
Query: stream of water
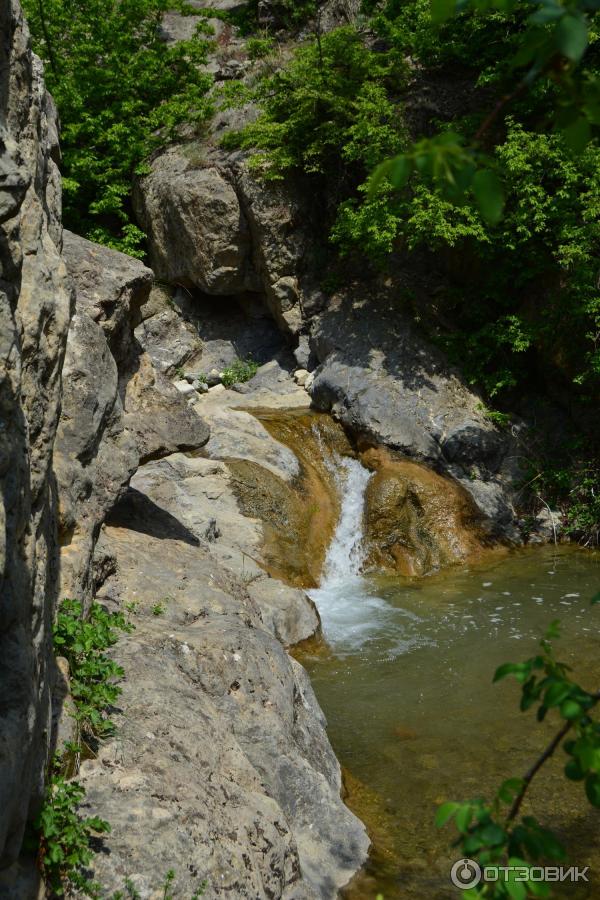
{"points": [[412, 712]]}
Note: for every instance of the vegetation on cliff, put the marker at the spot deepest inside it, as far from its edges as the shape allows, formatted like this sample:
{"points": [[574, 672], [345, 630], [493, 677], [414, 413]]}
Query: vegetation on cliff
{"points": [[121, 91], [346, 102], [503, 257]]}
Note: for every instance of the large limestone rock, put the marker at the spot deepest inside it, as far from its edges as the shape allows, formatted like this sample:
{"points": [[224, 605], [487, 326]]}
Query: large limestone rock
{"points": [[95, 455], [116, 410], [35, 305], [111, 289], [221, 768], [215, 227], [390, 387], [197, 231]]}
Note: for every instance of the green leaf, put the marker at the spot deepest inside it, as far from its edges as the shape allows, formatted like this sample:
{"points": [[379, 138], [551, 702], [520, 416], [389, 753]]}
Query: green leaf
{"points": [[509, 789], [595, 598], [442, 10], [570, 709], [556, 693], [464, 816], [492, 834], [592, 789], [507, 669], [571, 37], [516, 890], [400, 170], [548, 14], [573, 771], [445, 812], [489, 195]]}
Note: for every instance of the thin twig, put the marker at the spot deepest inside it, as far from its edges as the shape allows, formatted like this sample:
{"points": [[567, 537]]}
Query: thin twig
{"points": [[541, 499], [548, 752], [536, 767]]}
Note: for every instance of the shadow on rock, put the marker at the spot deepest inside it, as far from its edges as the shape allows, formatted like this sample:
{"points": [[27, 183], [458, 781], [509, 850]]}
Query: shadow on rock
{"points": [[138, 513]]}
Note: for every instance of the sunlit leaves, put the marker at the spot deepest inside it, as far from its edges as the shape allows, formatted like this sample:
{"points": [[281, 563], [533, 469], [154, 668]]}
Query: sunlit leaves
{"points": [[121, 91], [451, 168], [83, 643], [64, 838]]}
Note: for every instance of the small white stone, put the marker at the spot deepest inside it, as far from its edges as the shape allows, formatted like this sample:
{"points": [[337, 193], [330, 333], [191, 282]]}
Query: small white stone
{"points": [[300, 376], [184, 387]]}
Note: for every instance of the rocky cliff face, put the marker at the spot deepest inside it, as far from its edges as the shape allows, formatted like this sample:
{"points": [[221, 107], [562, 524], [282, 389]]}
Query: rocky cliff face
{"points": [[35, 308], [238, 754], [117, 409], [123, 482], [227, 234]]}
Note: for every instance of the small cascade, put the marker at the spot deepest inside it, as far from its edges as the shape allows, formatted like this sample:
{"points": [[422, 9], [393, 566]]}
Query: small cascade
{"points": [[345, 554], [351, 613]]}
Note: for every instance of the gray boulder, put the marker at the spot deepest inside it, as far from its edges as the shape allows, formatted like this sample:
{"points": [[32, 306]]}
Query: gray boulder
{"points": [[213, 226], [221, 768], [157, 414], [386, 384], [117, 409], [95, 456], [197, 231], [111, 289], [165, 336]]}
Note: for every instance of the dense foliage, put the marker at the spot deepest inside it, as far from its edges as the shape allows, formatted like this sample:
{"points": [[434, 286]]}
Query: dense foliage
{"points": [[529, 308], [120, 91], [64, 839], [328, 112], [478, 127]]}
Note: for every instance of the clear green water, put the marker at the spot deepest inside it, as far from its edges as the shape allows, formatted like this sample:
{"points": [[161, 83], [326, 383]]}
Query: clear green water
{"points": [[415, 719]]}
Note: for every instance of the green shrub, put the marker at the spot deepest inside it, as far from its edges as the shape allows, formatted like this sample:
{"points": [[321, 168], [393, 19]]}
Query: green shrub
{"points": [[64, 838], [327, 113], [286, 14], [239, 372], [83, 642], [121, 91]]}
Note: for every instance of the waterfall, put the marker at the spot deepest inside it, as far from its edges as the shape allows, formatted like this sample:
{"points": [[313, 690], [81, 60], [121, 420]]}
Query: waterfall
{"points": [[351, 613], [346, 552]]}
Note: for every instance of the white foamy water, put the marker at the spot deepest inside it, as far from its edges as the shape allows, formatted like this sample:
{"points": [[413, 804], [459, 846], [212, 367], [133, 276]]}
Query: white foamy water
{"points": [[351, 613]]}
